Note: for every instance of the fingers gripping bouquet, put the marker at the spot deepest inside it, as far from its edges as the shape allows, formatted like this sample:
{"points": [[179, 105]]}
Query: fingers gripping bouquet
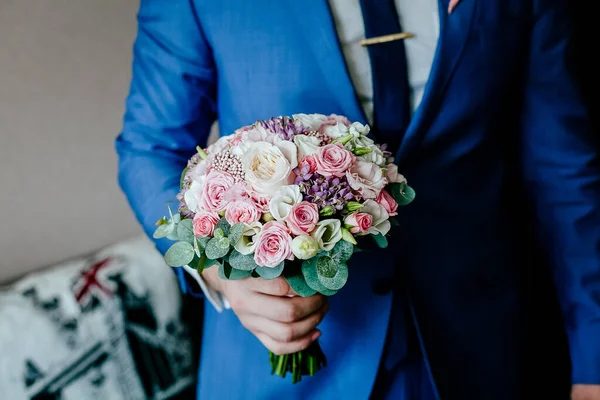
{"points": [[286, 197]]}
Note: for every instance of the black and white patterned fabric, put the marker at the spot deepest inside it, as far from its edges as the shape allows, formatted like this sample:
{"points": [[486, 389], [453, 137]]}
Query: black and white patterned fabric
{"points": [[109, 326]]}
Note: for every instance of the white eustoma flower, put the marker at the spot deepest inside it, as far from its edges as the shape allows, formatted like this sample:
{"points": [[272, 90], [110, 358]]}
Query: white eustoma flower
{"points": [[310, 121], [305, 247], [283, 201], [381, 220], [247, 243], [327, 233]]}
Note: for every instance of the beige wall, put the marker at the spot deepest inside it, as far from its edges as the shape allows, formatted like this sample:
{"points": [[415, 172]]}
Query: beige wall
{"points": [[64, 73]]}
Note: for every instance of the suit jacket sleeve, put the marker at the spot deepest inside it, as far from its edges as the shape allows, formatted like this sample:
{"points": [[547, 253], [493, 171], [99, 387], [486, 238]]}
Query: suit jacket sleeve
{"points": [[169, 111], [563, 177]]}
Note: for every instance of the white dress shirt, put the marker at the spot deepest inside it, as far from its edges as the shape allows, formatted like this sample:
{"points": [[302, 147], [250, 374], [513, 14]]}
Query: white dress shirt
{"points": [[419, 17]]}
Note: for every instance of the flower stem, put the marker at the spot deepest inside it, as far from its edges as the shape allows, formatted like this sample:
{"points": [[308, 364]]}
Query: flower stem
{"points": [[303, 363]]}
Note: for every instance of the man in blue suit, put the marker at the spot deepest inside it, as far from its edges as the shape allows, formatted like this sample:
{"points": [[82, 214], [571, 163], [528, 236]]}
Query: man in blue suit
{"points": [[480, 108]]}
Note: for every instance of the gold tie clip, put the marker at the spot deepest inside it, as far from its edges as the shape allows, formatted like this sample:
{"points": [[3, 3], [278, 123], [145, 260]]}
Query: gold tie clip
{"points": [[386, 38]]}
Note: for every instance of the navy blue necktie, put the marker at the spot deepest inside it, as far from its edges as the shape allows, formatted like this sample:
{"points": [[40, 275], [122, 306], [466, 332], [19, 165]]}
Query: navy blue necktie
{"points": [[391, 89]]}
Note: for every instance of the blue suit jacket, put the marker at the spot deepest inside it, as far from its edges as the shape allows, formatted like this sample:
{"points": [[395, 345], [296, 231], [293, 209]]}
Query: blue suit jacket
{"points": [[499, 140]]}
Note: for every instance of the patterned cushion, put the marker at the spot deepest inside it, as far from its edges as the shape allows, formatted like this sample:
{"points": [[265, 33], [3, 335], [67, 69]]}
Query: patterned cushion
{"points": [[108, 326]]}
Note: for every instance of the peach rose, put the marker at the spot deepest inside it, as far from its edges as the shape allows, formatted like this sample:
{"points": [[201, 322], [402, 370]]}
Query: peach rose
{"points": [[204, 223], [209, 194], [359, 223], [333, 159], [242, 211], [388, 202], [303, 218], [273, 245], [367, 179]]}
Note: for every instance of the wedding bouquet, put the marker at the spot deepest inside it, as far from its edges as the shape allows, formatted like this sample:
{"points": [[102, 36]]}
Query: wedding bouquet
{"points": [[290, 197]]}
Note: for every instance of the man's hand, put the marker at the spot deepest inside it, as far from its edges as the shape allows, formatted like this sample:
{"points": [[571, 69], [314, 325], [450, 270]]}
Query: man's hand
{"points": [[283, 322], [585, 392]]}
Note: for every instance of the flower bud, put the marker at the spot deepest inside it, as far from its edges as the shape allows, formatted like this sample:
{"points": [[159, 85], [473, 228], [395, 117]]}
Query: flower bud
{"points": [[353, 206], [201, 152], [362, 151], [347, 236], [305, 247], [327, 212], [267, 217]]}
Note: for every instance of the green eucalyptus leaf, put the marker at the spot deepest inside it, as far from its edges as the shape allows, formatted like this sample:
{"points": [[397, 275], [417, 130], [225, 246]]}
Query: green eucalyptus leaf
{"points": [[180, 254], [381, 240], [199, 263], [217, 248], [337, 281], [270, 273], [241, 261], [203, 241], [210, 263], [294, 277], [228, 273], [327, 267], [185, 231], [164, 230], [197, 249], [235, 233], [309, 271], [402, 193], [255, 274], [342, 251], [224, 226]]}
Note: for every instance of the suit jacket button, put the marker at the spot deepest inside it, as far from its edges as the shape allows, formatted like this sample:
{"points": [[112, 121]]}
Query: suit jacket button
{"points": [[383, 286]]}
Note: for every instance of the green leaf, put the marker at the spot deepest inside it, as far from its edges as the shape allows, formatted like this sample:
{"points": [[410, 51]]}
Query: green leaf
{"points": [[235, 233], [255, 274], [217, 248], [293, 276], [381, 240], [342, 251], [337, 281], [270, 273], [185, 231], [327, 267], [242, 262], [180, 254], [228, 273], [402, 193], [210, 263], [164, 230], [309, 271], [202, 242], [224, 226]]}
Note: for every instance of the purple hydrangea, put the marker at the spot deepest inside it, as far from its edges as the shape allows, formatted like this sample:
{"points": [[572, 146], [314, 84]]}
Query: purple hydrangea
{"points": [[324, 191]]}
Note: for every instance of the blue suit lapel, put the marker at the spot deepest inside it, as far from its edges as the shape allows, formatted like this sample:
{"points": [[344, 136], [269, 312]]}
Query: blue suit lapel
{"points": [[321, 35], [454, 32]]}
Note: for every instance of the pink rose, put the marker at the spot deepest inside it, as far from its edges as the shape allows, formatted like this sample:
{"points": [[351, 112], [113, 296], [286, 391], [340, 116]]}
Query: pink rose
{"points": [[367, 179], [359, 223], [303, 218], [308, 164], [241, 211], [333, 159], [388, 202], [212, 195], [273, 245], [204, 223], [392, 175]]}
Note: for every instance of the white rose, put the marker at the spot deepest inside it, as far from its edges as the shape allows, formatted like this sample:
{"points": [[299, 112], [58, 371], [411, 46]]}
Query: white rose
{"points": [[327, 233], [305, 247], [307, 145], [283, 201], [381, 220], [268, 167], [246, 244], [221, 144], [375, 156], [310, 121]]}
